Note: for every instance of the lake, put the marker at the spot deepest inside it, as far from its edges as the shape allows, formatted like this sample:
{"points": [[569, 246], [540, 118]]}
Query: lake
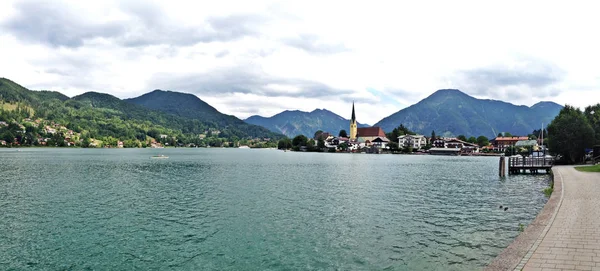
{"points": [[246, 209]]}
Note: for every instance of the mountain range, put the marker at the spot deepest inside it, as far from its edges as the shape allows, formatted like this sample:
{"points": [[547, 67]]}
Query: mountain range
{"points": [[293, 123], [448, 112], [451, 112], [157, 112]]}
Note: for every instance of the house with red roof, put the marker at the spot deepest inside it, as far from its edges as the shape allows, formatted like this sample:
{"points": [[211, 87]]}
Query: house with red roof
{"points": [[501, 143]]}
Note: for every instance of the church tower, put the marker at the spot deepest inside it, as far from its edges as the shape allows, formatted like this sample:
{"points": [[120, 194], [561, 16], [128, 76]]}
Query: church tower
{"points": [[353, 128]]}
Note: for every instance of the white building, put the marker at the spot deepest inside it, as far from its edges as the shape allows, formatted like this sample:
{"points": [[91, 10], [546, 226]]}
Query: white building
{"points": [[414, 141], [380, 142]]}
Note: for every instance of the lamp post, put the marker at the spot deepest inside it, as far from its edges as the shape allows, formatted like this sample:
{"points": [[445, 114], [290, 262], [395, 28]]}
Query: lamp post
{"points": [[594, 154]]}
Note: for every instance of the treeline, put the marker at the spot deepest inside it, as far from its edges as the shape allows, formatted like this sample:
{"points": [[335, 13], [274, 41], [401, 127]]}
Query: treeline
{"points": [[573, 131], [303, 143], [109, 126]]}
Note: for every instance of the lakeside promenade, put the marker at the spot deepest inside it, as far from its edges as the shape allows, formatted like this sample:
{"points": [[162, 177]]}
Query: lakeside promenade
{"points": [[566, 233], [573, 240]]}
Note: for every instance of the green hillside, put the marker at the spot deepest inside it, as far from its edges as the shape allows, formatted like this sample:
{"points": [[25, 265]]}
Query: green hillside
{"points": [[189, 106], [105, 117]]}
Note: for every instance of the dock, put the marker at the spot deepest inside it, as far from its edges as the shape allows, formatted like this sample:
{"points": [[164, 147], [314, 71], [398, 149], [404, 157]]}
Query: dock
{"points": [[518, 164]]}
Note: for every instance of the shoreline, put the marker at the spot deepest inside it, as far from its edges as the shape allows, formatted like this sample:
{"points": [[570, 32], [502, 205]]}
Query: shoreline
{"points": [[516, 255]]}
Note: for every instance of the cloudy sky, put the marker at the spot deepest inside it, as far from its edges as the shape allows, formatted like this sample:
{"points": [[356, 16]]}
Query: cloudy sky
{"points": [[263, 57]]}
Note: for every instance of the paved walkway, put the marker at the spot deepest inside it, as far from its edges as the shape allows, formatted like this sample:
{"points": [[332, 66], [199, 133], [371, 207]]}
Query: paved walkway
{"points": [[573, 239]]}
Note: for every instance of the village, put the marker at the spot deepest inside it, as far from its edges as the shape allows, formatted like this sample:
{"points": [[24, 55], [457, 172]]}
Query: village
{"points": [[375, 140]]}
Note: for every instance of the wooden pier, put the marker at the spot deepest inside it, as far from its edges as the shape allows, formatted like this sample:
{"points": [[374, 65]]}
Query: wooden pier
{"points": [[519, 164]]}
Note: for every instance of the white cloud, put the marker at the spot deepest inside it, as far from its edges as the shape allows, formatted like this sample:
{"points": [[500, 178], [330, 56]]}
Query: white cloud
{"points": [[385, 55]]}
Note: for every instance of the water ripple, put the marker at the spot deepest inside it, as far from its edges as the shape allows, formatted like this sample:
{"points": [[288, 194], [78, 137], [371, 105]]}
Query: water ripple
{"points": [[229, 209]]}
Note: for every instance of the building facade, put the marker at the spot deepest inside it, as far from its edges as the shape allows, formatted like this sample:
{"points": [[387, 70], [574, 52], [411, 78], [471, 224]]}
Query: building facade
{"points": [[502, 143], [414, 141]]}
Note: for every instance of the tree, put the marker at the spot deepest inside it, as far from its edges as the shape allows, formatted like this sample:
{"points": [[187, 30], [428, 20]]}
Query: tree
{"points": [[510, 150], [433, 135], [400, 130], [343, 146], [284, 143], [343, 133], [462, 137], [393, 136], [592, 113], [8, 136], [321, 143], [317, 134], [86, 142], [483, 141], [299, 140], [569, 134], [310, 145], [404, 131], [393, 146], [472, 140]]}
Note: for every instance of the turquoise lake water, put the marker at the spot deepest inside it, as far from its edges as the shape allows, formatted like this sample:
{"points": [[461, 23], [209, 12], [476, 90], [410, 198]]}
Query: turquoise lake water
{"points": [[244, 209]]}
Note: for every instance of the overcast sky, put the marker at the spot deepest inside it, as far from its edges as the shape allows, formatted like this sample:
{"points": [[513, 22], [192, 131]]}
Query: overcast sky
{"points": [[263, 57]]}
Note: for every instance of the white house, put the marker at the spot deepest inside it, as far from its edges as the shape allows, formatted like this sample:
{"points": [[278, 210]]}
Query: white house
{"points": [[380, 142], [446, 145], [414, 141], [50, 130]]}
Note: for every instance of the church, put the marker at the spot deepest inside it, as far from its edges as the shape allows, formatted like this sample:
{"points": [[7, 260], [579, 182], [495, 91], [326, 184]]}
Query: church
{"points": [[367, 136]]}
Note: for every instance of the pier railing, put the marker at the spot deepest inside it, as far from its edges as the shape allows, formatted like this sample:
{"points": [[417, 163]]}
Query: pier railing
{"points": [[518, 164]]}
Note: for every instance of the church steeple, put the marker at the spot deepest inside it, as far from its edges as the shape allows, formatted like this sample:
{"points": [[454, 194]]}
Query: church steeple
{"points": [[353, 126]]}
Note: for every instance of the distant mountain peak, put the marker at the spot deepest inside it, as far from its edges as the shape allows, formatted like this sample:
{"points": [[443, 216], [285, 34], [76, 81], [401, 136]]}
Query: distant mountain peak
{"points": [[321, 110], [296, 122], [449, 92], [178, 103], [451, 112], [93, 95], [546, 103]]}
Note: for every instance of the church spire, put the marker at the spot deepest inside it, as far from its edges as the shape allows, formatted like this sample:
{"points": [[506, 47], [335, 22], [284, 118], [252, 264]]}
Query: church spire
{"points": [[353, 127], [353, 115]]}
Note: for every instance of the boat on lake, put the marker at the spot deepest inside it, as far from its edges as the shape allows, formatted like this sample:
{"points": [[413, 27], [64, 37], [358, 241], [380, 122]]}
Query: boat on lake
{"points": [[160, 156]]}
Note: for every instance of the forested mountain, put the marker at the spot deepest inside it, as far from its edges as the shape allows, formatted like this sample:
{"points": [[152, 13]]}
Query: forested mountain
{"points": [[191, 107], [451, 112], [103, 116], [293, 123], [13, 92], [182, 104]]}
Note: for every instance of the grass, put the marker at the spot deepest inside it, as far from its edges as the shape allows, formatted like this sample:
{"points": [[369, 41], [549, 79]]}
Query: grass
{"points": [[548, 190], [13, 106], [595, 168], [7, 106]]}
